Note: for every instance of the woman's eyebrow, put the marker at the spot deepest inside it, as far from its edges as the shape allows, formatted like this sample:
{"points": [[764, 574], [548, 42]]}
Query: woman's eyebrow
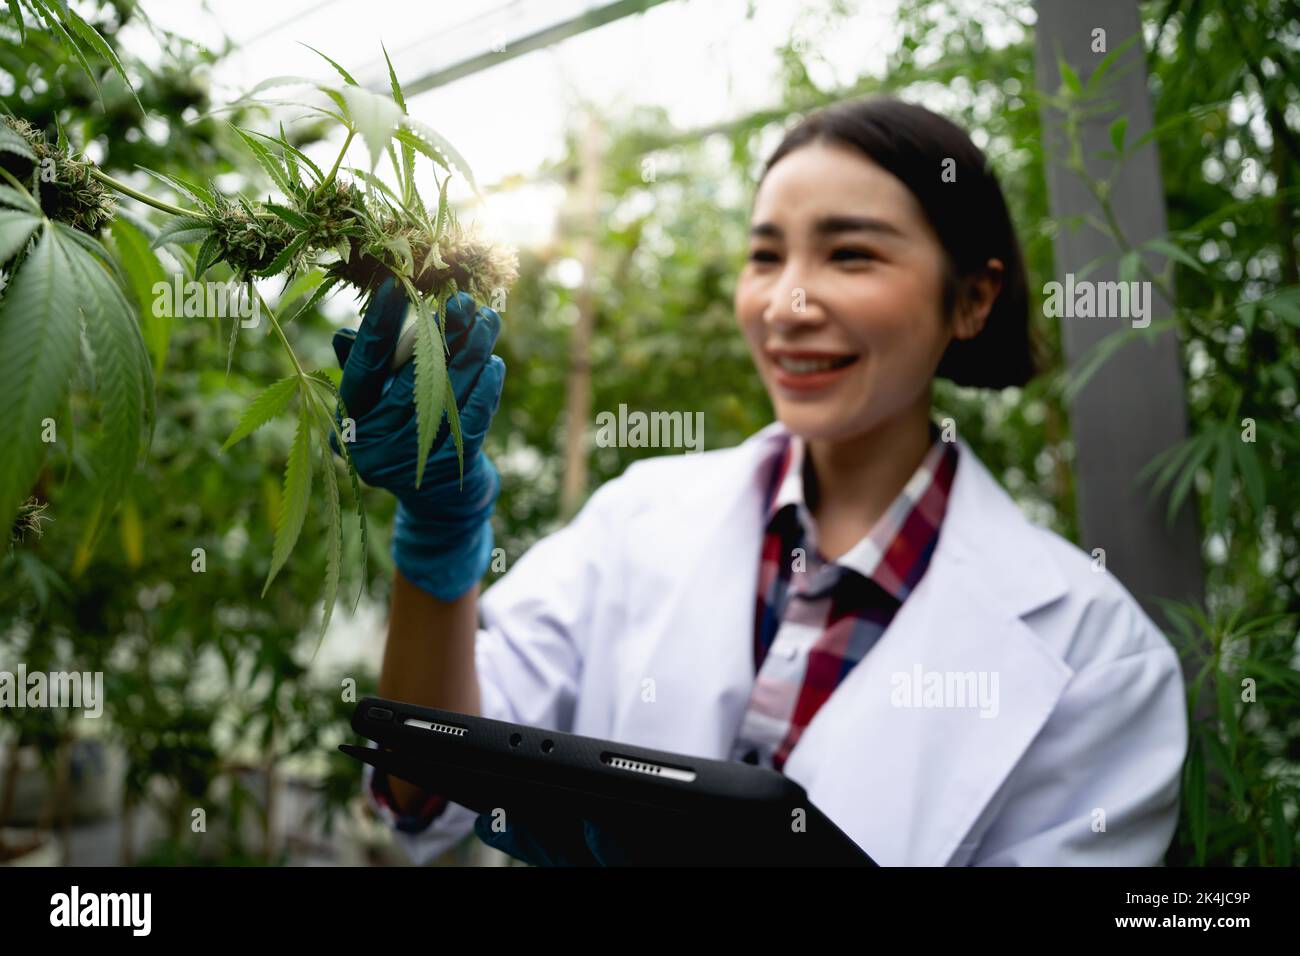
{"points": [[829, 225]]}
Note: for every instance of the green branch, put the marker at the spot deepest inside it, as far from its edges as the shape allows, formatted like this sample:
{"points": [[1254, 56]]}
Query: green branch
{"points": [[135, 194]]}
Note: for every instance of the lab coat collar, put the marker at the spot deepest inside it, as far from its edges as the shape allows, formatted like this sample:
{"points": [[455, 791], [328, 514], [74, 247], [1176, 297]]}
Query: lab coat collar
{"points": [[988, 570], [981, 523]]}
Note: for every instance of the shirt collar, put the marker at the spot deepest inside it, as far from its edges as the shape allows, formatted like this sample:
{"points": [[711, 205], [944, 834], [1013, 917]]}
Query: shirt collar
{"points": [[867, 557]]}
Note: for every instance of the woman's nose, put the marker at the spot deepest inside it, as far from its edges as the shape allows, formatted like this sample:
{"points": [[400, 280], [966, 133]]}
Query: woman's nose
{"points": [[792, 299]]}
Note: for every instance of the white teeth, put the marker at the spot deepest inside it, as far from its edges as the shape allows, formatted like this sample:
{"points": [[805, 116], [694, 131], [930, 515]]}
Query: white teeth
{"points": [[805, 366]]}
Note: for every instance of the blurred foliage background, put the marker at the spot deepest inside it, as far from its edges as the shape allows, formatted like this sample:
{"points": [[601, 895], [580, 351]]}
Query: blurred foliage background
{"points": [[207, 683]]}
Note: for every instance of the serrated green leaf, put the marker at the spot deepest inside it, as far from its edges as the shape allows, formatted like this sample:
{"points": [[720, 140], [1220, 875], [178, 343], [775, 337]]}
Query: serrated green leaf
{"points": [[281, 261], [430, 379], [344, 116], [1117, 130], [1285, 304], [1221, 483], [375, 182], [122, 376], [436, 146], [16, 229], [327, 414], [17, 13], [284, 213], [1252, 475], [325, 289], [329, 377], [189, 190], [441, 224], [453, 421], [297, 288], [401, 248], [11, 142], [1222, 762], [407, 170], [342, 72], [19, 200], [1202, 448], [1128, 265], [1097, 75], [268, 162], [297, 493], [206, 256], [272, 82], [1164, 465], [289, 148], [1226, 695], [1167, 248], [97, 43], [334, 531], [143, 272], [114, 288], [39, 343], [375, 118], [1069, 77], [291, 166], [270, 402], [360, 505], [69, 43], [392, 80], [182, 231]]}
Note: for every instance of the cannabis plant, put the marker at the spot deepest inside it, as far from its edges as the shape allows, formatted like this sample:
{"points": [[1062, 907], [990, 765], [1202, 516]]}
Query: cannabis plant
{"points": [[327, 229]]}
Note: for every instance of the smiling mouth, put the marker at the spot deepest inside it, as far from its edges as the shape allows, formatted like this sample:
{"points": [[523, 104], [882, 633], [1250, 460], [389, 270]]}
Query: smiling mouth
{"points": [[809, 366]]}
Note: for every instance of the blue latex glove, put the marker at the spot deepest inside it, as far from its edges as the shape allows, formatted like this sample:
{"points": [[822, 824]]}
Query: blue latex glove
{"points": [[574, 842], [442, 535]]}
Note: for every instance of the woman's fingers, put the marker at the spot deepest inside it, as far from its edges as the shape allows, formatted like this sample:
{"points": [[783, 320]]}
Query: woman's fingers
{"points": [[366, 364]]}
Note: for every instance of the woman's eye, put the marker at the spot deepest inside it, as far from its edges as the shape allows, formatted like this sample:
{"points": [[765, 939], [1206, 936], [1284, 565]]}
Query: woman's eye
{"points": [[763, 255], [852, 254]]}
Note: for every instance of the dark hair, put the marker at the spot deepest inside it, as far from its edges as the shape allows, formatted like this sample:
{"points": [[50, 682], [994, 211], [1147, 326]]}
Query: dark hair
{"points": [[969, 215]]}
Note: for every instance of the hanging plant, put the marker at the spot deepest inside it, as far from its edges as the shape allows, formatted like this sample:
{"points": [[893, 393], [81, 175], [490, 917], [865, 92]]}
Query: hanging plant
{"points": [[327, 229]]}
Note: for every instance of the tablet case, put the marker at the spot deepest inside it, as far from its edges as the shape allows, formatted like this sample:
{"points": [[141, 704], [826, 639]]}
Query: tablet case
{"points": [[663, 808]]}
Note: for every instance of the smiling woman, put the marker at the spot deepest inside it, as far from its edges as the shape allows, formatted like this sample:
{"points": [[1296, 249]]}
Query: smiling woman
{"points": [[865, 279], [770, 599]]}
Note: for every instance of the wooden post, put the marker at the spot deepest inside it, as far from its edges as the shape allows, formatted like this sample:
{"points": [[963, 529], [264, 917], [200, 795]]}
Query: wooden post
{"points": [[577, 414], [1134, 406]]}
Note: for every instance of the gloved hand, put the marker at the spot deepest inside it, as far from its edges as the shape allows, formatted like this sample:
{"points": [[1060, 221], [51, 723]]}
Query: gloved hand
{"points": [[442, 536], [569, 842]]}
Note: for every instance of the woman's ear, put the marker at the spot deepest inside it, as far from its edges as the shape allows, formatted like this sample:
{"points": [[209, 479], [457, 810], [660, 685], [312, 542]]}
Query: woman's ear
{"points": [[979, 292]]}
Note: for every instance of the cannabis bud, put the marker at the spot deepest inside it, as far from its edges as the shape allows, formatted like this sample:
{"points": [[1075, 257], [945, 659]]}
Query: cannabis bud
{"points": [[67, 191]]}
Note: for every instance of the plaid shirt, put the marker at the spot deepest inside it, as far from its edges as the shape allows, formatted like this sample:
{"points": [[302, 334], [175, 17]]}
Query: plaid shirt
{"points": [[841, 610], [816, 619]]}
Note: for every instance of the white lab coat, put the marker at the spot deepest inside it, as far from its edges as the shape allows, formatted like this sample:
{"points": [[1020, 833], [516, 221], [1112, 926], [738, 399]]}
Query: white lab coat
{"points": [[655, 580]]}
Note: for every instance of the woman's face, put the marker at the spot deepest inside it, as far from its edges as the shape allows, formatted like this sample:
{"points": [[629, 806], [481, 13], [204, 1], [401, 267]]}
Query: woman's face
{"points": [[841, 298]]}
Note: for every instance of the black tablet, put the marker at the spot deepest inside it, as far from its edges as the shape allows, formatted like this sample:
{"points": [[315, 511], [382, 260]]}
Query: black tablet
{"points": [[665, 808]]}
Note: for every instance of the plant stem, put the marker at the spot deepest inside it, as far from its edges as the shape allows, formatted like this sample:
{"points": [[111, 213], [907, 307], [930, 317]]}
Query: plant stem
{"points": [[335, 168], [158, 204], [145, 198], [275, 325]]}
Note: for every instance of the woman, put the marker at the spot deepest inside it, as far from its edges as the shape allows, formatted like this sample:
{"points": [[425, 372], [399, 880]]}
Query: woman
{"points": [[848, 596]]}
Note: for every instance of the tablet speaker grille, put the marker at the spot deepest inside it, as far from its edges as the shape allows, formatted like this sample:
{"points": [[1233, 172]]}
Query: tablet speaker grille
{"points": [[450, 729], [644, 766]]}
